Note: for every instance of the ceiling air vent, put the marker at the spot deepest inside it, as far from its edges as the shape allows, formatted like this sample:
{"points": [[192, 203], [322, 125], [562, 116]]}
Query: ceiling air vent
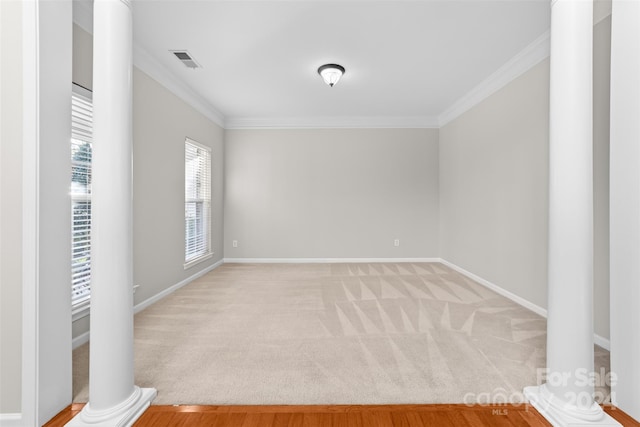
{"points": [[186, 58]]}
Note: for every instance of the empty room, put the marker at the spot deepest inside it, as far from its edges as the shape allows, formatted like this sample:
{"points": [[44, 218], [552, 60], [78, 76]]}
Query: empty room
{"points": [[302, 213]]}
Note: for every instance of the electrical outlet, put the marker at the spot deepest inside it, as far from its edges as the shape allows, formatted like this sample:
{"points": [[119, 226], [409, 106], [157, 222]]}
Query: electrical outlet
{"points": [[235, 243], [396, 242]]}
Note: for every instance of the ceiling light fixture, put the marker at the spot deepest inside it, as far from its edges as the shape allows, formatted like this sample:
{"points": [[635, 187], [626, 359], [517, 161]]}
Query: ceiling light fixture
{"points": [[331, 73]]}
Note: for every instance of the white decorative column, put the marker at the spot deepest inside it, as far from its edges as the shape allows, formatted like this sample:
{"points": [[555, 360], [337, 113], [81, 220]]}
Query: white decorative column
{"points": [[625, 205], [113, 398], [566, 399]]}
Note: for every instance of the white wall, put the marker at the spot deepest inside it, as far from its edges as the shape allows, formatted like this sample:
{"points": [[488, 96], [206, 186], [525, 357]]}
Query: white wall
{"points": [[601, 89], [625, 205], [331, 193], [493, 187], [46, 358], [82, 57], [10, 206], [161, 121]]}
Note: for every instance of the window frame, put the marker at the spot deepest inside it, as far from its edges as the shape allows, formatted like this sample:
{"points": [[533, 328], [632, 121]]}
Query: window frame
{"points": [[206, 203], [81, 307]]}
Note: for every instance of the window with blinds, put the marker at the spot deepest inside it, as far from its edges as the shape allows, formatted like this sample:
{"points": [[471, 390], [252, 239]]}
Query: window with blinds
{"points": [[197, 206], [81, 139]]}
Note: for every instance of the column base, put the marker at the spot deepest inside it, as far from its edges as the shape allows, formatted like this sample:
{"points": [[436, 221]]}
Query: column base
{"points": [[123, 415], [560, 414]]}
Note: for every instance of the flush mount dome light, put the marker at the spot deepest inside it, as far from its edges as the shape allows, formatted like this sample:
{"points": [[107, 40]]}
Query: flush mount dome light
{"points": [[331, 73]]}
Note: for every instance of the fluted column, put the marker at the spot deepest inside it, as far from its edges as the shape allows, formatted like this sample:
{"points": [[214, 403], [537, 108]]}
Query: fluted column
{"points": [[566, 399], [114, 400]]}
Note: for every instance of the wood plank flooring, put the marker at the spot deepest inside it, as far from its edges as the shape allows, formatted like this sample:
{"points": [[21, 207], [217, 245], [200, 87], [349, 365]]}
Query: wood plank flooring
{"points": [[340, 416]]}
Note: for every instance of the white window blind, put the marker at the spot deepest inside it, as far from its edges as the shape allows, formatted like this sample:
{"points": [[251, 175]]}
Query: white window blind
{"points": [[81, 139], [197, 207]]}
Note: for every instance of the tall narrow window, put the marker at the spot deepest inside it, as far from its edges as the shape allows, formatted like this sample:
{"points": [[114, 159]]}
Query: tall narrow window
{"points": [[197, 206], [81, 139]]}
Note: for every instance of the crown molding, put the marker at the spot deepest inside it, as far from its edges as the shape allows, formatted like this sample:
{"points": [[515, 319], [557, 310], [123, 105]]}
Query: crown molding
{"points": [[83, 14], [526, 59], [332, 123], [150, 66], [83, 17]]}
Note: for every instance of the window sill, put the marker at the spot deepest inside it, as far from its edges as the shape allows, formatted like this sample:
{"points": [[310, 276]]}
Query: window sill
{"points": [[198, 260]]}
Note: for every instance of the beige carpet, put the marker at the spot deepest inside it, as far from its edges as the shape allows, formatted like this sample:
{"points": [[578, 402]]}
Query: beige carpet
{"points": [[333, 333]]}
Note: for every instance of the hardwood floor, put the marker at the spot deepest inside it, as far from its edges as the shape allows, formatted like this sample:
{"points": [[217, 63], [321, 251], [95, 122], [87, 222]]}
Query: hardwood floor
{"points": [[340, 416]]}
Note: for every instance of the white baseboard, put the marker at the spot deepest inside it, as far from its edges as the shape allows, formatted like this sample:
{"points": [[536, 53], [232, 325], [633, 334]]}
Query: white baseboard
{"points": [[84, 338], [80, 340], [157, 297], [601, 341], [597, 339], [497, 289], [323, 260], [11, 420]]}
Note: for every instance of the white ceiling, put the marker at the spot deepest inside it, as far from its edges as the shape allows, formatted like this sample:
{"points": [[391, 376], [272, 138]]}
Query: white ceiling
{"points": [[403, 59]]}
